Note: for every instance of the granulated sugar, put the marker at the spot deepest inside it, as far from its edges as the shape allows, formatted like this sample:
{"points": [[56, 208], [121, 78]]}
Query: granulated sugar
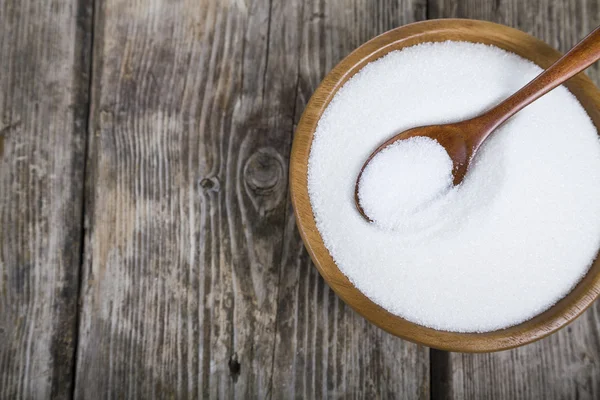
{"points": [[404, 177], [509, 242]]}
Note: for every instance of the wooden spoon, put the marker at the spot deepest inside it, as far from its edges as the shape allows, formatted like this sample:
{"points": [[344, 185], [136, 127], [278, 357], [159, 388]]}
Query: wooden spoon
{"points": [[462, 139]]}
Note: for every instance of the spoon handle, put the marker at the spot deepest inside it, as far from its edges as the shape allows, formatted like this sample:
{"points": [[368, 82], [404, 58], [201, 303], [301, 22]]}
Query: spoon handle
{"points": [[584, 54]]}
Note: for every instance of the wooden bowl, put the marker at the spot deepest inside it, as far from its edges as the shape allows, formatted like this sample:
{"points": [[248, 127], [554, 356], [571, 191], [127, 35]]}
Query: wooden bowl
{"points": [[513, 40]]}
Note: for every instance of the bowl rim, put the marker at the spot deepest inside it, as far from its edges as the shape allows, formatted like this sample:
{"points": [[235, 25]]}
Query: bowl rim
{"points": [[557, 316]]}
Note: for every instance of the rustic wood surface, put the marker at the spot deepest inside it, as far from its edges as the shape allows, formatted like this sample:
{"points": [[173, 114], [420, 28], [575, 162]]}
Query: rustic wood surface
{"points": [[194, 282], [44, 64]]}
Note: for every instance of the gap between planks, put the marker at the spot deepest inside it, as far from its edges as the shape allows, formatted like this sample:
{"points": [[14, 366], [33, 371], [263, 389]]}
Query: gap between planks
{"points": [[86, 12]]}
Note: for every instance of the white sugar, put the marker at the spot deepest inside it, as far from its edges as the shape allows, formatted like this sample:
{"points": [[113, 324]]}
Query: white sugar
{"points": [[403, 178], [509, 242]]}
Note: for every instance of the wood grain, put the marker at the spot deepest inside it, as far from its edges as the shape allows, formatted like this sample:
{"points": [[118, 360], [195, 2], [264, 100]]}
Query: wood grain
{"points": [[44, 53], [324, 349], [193, 108], [567, 364]]}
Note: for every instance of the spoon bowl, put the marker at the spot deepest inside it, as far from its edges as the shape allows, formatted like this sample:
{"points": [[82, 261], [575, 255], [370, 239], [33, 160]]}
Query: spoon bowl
{"points": [[454, 138]]}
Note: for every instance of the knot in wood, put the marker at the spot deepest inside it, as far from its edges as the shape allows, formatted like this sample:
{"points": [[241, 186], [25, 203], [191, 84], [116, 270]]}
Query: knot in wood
{"points": [[234, 367], [210, 184], [264, 179]]}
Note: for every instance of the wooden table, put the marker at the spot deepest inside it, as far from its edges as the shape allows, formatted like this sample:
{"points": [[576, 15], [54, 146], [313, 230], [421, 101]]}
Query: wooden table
{"points": [[147, 243]]}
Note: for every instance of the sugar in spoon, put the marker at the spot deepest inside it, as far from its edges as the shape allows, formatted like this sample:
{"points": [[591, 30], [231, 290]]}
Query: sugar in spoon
{"points": [[462, 139]]}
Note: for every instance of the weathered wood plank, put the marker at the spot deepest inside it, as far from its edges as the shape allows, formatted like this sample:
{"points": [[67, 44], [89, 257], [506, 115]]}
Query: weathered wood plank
{"points": [[567, 364], [191, 127], [193, 111], [44, 53], [324, 349]]}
